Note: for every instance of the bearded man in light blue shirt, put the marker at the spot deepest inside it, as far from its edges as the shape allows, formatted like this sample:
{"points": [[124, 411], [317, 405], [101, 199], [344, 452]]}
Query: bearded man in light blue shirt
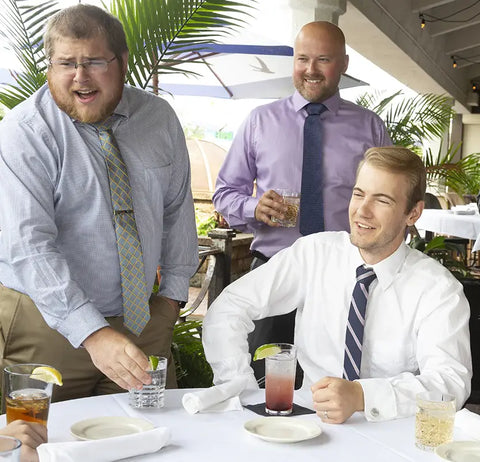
{"points": [[61, 288]]}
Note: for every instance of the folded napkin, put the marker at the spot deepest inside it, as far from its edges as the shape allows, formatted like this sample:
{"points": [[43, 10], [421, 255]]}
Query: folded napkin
{"points": [[468, 209], [220, 398], [105, 450], [469, 423]]}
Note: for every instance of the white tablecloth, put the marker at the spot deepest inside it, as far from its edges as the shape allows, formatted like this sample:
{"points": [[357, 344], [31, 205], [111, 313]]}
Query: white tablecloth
{"points": [[220, 437], [447, 222]]}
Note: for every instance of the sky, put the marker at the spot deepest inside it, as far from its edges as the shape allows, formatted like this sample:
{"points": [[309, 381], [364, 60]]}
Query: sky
{"points": [[271, 24]]}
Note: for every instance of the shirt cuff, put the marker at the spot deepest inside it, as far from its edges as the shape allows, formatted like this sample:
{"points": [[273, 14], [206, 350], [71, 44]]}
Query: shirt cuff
{"points": [[249, 209], [80, 323], [174, 287], [379, 399]]}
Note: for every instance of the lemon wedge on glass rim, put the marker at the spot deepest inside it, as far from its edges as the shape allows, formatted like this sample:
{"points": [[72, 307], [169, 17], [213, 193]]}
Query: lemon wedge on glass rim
{"points": [[264, 351], [47, 374]]}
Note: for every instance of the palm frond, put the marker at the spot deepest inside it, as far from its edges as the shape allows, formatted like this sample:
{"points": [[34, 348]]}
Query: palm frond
{"points": [[411, 121], [22, 22], [164, 35]]}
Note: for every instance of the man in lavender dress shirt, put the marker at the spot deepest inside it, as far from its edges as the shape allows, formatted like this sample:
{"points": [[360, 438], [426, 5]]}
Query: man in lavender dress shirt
{"points": [[268, 152]]}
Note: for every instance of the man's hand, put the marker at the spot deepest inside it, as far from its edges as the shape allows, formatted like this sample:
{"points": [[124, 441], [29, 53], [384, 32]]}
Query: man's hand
{"points": [[118, 358], [31, 434], [270, 205], [335, 400]]}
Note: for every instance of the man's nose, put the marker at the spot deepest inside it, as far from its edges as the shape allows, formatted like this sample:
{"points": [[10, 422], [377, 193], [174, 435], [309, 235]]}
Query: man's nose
{"points": [[81, 73]]}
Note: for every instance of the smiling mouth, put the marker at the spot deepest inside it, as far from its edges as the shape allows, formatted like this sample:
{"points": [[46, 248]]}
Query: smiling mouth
{"points": [[313, 80], [85, 94], [362, 226]]}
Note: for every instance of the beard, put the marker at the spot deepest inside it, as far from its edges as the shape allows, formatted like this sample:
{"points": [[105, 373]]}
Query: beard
{"points": [[66, 101]]}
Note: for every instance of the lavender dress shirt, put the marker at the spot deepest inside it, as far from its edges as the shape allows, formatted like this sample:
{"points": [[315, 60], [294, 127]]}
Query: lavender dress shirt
{"points": [[268, 151]]}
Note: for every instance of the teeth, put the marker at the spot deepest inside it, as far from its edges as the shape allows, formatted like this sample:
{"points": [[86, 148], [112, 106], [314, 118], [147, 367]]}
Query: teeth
{"points": [[313, 81], [85, 92], [364, 226]]}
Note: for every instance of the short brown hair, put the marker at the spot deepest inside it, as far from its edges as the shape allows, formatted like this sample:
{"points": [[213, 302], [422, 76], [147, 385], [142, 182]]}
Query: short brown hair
{"points": [[396, 159], [85, 22]]}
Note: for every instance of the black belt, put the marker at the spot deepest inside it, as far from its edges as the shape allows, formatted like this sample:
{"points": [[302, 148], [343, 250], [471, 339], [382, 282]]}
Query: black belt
{"points": [[259, 255]]}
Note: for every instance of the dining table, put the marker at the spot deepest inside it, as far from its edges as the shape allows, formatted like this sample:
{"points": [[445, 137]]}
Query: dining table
{"points": [[221, 436], [452, 223]]}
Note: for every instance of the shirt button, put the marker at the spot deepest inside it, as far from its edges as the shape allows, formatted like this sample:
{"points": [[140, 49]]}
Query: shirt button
{"points": [[374, 412]]}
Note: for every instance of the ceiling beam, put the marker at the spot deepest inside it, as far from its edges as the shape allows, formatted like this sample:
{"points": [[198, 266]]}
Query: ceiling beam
{"points": [[421, 5], [461, 40], [450, 20]]}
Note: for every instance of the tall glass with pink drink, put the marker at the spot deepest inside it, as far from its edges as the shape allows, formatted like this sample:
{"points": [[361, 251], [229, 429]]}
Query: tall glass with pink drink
{"points": [[280, 380]]}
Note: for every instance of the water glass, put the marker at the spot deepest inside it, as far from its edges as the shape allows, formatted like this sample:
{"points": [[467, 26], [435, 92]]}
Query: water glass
{"points": [[9, 449], [280, 380], [292, 199], [434, 419], [151, 396], [26, 398]]}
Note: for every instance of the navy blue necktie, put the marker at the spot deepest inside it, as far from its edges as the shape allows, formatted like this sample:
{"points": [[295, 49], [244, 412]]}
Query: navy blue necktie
{"points": [[356, 323], [311, 200]]}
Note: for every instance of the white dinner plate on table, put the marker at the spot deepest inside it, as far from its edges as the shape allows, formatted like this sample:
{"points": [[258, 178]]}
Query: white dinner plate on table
{"points": [[282, 429], [460, 451], [107, 427]]}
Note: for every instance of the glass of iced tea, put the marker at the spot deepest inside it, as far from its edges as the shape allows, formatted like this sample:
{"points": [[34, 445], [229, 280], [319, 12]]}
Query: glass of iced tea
{"points": [[434, 419], [26, 398], [280, 371]]}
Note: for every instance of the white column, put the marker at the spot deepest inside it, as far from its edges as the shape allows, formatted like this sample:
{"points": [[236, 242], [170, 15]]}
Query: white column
{"points": [[305, 11]]}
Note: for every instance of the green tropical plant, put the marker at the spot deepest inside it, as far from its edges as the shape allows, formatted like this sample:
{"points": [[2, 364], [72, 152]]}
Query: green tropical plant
{"points": [[162, 35], [447, 253], [411, 121], [21, 22]]}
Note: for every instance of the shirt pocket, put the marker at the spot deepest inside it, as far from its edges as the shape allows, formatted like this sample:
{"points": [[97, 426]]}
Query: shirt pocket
{"points": [[391, 357]]}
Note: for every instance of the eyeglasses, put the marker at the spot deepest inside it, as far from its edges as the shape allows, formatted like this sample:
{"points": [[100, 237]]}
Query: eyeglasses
{"points": [[92, 66]]}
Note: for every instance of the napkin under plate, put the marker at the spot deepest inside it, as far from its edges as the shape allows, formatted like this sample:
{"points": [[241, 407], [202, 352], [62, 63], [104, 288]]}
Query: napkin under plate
{"points": [[469, 423], [105, 450]]}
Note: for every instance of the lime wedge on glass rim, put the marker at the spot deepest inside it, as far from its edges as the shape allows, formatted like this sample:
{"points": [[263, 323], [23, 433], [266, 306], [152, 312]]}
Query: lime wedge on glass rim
{"points": [[264, 351], [153, 362], [47, 374]]}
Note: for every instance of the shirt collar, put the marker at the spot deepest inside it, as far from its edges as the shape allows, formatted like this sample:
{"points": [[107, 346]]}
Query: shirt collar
{"points": [[332, 103], [387, 269]]}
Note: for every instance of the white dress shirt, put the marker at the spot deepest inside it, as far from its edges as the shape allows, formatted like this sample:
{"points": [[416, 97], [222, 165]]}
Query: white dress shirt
{"points": [[416, 331]]}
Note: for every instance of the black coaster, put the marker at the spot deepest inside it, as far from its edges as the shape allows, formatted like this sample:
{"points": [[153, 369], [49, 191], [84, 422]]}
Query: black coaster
{"points": [[260, 409]]}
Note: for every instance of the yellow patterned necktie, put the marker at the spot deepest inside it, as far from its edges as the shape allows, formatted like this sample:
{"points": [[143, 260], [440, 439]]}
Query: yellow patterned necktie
{"points": [[136, 312]]}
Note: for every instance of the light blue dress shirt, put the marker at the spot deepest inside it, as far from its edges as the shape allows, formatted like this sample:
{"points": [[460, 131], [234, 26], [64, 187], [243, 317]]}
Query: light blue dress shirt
{"points": [[57, 240], [268, 151]]}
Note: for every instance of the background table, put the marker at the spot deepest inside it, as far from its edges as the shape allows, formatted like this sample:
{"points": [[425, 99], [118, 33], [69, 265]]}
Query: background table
{"points": [[220, 437], [450, 223]]}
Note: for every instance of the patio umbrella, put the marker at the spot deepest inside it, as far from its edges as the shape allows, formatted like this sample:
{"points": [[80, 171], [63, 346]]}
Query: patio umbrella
{"points": [[240, 71]]}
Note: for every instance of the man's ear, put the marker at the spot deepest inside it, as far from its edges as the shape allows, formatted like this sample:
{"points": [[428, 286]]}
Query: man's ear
{"points": [[415, 213]]}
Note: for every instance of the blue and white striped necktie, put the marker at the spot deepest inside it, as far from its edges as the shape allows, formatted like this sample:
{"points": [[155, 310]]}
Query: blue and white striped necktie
{"points": [[356, 323]]}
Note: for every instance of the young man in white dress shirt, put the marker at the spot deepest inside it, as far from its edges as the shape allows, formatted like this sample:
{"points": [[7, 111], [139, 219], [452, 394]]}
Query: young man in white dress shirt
{"points": [[416, 333]]}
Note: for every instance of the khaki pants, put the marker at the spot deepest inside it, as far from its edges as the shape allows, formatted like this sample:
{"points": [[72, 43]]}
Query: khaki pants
{"points": [[26, 338]]}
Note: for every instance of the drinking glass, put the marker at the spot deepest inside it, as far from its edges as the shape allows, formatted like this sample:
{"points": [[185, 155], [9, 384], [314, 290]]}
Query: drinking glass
{"points": [[26, 398], [292, 199], [280, 380], [9, 449], [151, 396], [434, 419]]}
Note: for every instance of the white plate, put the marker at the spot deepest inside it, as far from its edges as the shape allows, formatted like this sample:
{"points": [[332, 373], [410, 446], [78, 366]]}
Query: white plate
{"points": [[282, 429], [460, 451], [106, 427]]}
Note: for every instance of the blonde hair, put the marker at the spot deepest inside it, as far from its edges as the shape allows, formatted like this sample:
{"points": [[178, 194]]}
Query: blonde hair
{"points": [[396, 159], [85, 22]]}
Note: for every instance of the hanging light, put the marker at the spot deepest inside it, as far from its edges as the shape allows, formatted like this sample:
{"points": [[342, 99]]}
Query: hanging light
{"points": [[422, 23], [454, 64]]}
